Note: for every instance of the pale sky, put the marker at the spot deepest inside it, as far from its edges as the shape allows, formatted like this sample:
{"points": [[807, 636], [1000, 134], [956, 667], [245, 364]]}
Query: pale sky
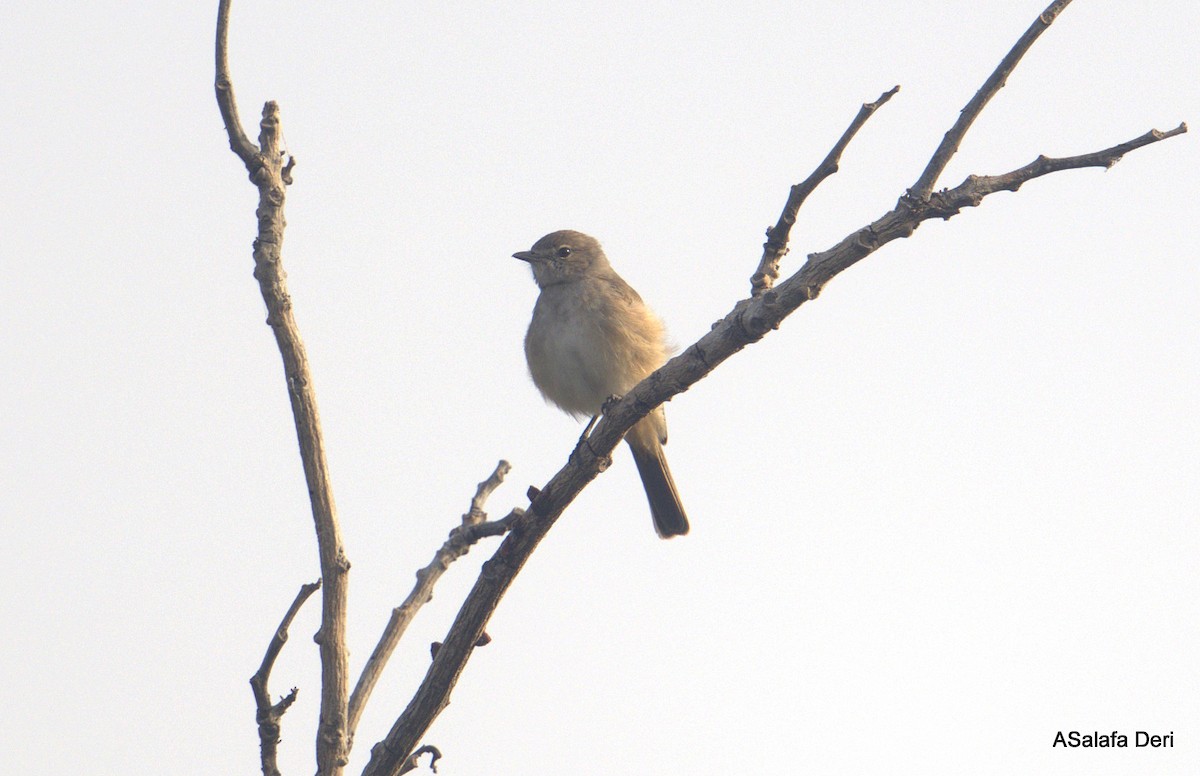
{"points": [[946, 511]]}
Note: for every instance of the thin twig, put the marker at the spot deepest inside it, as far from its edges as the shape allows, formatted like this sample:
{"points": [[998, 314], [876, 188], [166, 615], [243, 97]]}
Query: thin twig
{"points": [[271, 173], [411, 763], [474, 526], [971, 191], [238, 141], [903, 220], [778, 236], [995, 82], [268, 715]]}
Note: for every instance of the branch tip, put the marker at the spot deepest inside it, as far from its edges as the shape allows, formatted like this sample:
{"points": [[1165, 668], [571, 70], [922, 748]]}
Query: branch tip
{"points": [[994, 83], [778, 236], [411, 762], [267, 714]]}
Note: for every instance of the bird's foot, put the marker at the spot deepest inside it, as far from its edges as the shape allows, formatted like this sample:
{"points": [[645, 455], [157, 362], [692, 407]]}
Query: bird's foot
{"points": [[611, 400]]}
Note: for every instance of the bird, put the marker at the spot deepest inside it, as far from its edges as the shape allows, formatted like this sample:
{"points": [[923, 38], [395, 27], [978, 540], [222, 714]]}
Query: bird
{"points": [[591, 338]]}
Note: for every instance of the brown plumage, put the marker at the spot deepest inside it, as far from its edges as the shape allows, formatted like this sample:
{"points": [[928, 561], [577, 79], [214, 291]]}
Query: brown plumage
{"points": [[593, 337]]}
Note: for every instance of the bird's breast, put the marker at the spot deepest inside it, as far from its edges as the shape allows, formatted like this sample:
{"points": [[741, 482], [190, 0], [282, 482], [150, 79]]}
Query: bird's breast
{"points": [[574, 349]]}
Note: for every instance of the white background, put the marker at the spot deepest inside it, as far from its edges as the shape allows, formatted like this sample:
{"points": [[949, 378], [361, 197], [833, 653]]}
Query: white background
{"points": [[948, 510]]}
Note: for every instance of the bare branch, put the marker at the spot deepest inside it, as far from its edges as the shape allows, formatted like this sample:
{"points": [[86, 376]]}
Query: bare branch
{"points": [[971, 191], [474, 527], [776, 245], [269, 172], [995, 82], [902, 221], [238, 141], [268, 714]]}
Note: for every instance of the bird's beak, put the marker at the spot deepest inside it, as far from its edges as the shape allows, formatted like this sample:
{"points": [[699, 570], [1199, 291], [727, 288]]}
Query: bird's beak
{"points": [[525, 255]]}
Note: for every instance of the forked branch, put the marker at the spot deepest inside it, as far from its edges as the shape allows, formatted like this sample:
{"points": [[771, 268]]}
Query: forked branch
{"points": [[474, 526], [994, 83], [779, 235], [271, 174], [268, 714]]}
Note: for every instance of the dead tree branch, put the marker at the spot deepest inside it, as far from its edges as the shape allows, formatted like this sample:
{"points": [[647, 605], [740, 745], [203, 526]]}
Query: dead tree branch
{"points": [[994, 83], [269, 714], [271, 175], [779, 235], [474, 526], [749, 321], [238, 142]]}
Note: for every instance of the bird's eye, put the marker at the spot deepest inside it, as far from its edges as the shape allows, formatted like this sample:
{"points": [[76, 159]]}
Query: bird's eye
{"points": [[564, 252]]}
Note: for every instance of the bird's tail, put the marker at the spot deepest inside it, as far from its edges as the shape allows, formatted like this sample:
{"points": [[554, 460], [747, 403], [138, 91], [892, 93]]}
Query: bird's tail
{"points": [[665, 507]]}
